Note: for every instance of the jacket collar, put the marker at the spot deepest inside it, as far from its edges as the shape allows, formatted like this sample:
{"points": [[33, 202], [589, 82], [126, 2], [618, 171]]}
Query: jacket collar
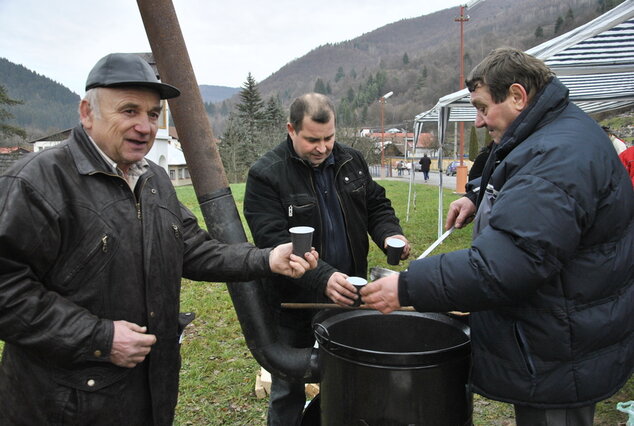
{"points": [[85, 155]]}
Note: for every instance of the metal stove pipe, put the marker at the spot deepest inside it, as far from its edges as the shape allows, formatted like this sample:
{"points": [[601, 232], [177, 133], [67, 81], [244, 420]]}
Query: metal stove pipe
{"points": [[214, 195]]}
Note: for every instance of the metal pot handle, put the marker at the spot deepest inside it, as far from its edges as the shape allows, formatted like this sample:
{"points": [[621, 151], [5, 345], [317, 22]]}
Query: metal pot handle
{"points": [[326, 338]]}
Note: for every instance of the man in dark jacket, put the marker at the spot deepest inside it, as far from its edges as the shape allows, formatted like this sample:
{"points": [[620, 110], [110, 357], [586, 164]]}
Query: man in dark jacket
{"points": [[549, 278], [93, 245], [425, 164], [311, 180]]}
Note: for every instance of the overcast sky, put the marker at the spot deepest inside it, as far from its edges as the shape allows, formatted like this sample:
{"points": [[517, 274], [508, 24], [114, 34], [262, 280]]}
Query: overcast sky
{"points": [[225, 39]]}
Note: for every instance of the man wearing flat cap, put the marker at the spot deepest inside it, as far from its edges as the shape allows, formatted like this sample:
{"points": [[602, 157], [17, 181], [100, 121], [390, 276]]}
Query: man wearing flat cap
{"points": [[93, 245]]}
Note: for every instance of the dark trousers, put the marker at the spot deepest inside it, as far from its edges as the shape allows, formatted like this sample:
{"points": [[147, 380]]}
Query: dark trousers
{"points": [[287, 399], [529, 416]]}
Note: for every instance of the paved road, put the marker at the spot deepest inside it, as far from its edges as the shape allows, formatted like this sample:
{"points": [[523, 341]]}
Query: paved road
{"points": [[448, 182]]}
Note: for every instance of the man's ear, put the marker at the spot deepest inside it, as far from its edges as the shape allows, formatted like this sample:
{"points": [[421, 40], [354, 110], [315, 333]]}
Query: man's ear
{"points": [[85, 114], [519, 97]]}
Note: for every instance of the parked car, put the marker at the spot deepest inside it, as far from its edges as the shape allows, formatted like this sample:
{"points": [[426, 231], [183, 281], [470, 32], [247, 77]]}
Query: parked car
{"points": [[452, 168]]}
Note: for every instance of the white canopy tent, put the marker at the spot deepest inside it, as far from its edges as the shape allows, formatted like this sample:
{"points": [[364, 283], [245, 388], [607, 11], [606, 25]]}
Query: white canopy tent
{"points": [[595, 61]]}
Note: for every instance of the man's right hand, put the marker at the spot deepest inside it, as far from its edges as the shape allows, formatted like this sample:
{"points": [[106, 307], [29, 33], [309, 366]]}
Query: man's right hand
{"points": [[340, 291], [461, 213], [130, 344]]}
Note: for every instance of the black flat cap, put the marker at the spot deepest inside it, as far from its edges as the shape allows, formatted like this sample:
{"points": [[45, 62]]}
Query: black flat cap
{"points": [[129, 70]]}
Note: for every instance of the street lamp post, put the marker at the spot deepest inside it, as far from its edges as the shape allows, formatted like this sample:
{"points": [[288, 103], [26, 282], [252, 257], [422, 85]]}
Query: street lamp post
{"points": [[382, 102]]}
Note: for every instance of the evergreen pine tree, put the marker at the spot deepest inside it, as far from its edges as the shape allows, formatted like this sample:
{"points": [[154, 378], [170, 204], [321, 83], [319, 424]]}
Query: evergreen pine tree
{"points": [[251, 107], [241, 142], [7, 129], [340, 74], [539, 32], [320, 87]]}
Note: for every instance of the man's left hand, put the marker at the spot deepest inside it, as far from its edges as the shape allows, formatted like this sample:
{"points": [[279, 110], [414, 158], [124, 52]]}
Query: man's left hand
{"points": [[282, 261], [406, 249]]}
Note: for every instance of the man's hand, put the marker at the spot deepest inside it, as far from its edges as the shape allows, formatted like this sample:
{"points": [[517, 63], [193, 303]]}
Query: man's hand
{"points": [[340, 291], [406, 249], [461, 213], [282, 261], [130, 344], [382, 294]]}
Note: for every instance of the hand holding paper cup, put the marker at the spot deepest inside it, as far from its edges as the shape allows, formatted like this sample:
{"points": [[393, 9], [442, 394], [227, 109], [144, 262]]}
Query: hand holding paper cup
{"points": [[358, 284], [302, 239], [395, 249]]}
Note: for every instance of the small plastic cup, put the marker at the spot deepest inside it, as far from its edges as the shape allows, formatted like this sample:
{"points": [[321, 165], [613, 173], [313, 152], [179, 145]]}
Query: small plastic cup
{"points": [[395, 249], [358, 284], [302, 239]]}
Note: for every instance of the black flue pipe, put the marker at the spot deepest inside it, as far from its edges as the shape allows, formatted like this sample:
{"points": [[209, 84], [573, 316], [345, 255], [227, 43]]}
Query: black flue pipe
{"points": [[214, 195]]}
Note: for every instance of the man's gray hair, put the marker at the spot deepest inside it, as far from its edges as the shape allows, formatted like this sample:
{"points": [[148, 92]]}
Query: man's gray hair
{"points": [[92, 97]]}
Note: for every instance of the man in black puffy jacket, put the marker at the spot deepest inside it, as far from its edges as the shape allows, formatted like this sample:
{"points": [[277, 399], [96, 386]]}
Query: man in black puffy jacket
{"points": [[549, 277], [311, 180]]}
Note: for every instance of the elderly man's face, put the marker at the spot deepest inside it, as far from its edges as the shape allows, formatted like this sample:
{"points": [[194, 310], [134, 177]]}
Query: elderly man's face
{"points": [[126, 125], [314, 142], [495, 117]]}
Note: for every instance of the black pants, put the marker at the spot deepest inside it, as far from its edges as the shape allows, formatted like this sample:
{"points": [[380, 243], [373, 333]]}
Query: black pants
{"points": [[529, 416]]}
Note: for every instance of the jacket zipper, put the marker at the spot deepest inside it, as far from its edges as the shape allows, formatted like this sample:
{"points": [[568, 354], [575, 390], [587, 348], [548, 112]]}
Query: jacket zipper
{"points": [[137, 201]]}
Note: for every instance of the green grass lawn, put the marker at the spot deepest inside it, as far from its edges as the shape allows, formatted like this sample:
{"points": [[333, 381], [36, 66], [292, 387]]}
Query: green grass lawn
{"points": [[218, 372]]}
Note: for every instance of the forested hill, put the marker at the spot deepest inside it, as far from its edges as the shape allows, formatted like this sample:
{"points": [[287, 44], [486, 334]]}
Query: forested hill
{"points": [[418, 58], [48, 106]]}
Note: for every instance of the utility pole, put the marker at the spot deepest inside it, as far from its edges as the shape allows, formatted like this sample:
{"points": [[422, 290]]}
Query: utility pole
{"points": [[461, 171], [382, 102]]}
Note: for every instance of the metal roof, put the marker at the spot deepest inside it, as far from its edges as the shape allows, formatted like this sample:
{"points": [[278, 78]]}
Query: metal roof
{"points": [[595, 61]]}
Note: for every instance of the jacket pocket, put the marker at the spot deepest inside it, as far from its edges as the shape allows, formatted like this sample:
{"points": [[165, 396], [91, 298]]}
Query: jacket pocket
{"points": [[354, 182], [524, 349], [91, 379], [90, 255], [92, 395], [300, 209]]}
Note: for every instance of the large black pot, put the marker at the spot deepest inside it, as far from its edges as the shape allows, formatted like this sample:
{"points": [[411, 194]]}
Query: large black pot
{"points": [[405, 368]]}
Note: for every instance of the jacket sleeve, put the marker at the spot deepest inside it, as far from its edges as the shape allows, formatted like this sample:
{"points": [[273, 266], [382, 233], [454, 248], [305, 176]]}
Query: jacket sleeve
{"points": [[207, 259], [266, 216], [535, 226], [31, 315]]}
